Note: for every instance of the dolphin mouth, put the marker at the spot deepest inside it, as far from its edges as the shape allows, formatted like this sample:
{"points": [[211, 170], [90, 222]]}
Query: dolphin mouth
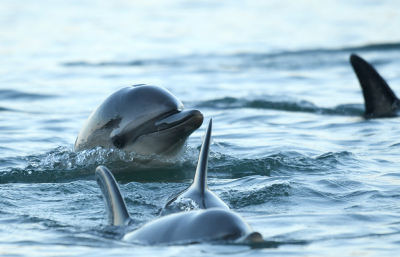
{"points": [[169, 135], [180, 123], [188, 120], [177, 118]]}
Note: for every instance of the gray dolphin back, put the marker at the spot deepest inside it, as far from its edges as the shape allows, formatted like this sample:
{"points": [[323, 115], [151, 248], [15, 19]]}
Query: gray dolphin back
{"points": [[194, 226], [116, 208], [198, 190], [380, 101]]}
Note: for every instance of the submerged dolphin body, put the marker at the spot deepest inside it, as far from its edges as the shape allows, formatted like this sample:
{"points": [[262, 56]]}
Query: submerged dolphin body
{"points": [[198, 192], [178, 228], [141, 118], [380, 101]]}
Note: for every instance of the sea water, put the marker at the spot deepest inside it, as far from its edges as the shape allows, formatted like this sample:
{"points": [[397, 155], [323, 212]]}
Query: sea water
{"points": [[291, 151]]}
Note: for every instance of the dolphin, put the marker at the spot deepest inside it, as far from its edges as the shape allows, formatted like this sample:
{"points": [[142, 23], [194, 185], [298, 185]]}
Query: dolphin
{"points": [[380, 101], [177, 228], [197, 195], [142, 118]]}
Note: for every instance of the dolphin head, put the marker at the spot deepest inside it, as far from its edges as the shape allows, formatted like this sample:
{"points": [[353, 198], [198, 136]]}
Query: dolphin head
{"points": [[142, 118]]}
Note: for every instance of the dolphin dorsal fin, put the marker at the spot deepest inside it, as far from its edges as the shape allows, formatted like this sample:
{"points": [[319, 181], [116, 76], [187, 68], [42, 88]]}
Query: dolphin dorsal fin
{"points": [[116, 208], [379, 98], [200, 178]]}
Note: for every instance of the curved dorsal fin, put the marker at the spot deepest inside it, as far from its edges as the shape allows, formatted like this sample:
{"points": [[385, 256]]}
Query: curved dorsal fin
{"points": [[116, 208], [379, 99], [200, 178], [198, 190]]}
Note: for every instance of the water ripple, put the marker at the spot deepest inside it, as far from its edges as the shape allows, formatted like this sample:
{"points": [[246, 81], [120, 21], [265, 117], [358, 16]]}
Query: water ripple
{"points": [[274, 103], [9, 94]]}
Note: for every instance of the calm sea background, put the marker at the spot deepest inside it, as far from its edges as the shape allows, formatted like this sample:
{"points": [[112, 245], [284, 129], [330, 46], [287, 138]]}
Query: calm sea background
{"points": [[291, 151]]}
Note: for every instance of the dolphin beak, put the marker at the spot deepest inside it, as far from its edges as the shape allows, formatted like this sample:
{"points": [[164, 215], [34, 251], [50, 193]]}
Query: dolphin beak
{"points": [[168, 134], [192, 118]]}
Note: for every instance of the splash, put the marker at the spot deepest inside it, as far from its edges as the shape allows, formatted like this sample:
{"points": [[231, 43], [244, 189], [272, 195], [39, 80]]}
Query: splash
{"points": [[63, 164], [182, 204]]}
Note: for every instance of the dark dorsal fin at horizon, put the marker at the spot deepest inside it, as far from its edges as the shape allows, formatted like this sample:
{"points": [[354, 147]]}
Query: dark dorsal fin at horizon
{"points": [[200, 178], [380, 101], [116, 208]]}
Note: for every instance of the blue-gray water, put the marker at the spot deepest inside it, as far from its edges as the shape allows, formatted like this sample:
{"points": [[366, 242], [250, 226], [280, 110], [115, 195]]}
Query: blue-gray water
{"points": [[291, 152]]}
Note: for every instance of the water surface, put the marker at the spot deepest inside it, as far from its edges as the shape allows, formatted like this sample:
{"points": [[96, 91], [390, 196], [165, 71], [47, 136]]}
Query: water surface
{"points": [[291, 151]]}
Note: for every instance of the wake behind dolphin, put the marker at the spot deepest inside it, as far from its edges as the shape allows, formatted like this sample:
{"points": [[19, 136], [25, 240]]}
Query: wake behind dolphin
{"points": [[142, 118], [380, 101], [178, 228]]}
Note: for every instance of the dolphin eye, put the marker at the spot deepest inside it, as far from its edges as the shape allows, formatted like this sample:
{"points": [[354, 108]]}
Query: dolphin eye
{"points": [[117, 142]]}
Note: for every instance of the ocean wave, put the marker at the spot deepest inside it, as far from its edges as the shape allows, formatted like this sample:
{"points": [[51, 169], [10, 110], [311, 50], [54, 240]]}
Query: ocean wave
{"points": [[3, 109], [276, 103], [9, 94], [257, 194], [63, 165], [282, 59], [280, 164]]}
